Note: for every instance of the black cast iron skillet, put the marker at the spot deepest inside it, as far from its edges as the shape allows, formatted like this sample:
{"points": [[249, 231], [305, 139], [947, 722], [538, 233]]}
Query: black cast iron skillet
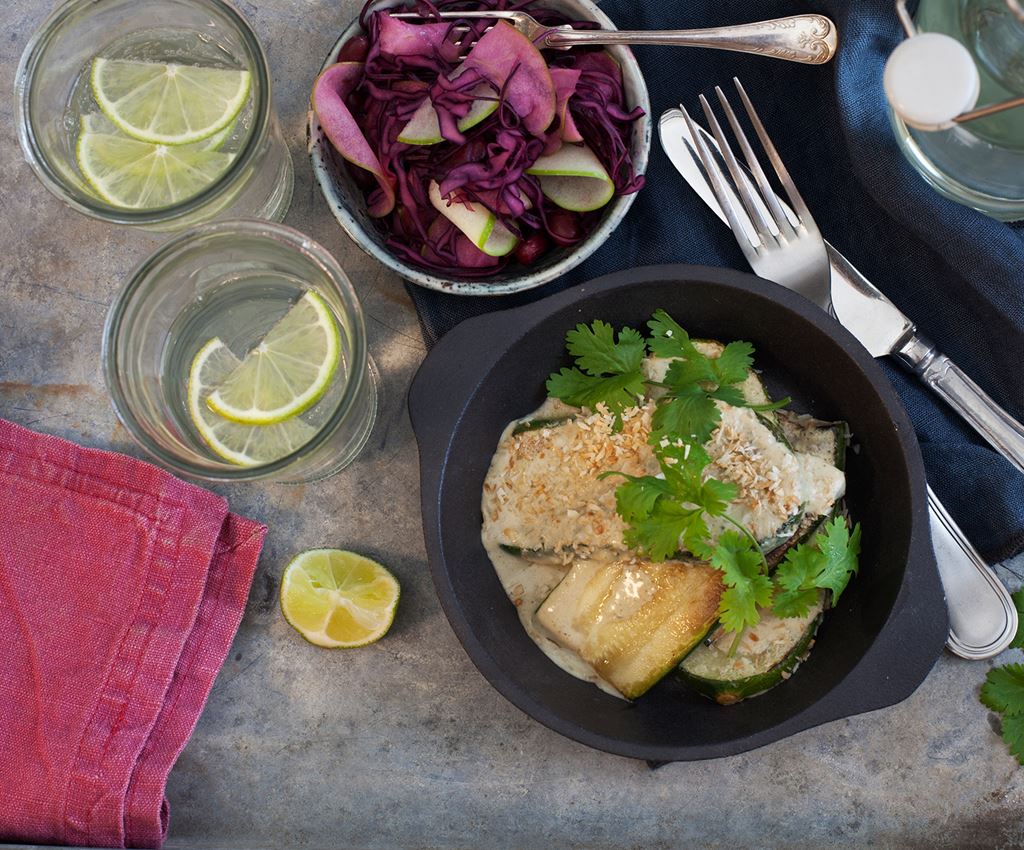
{"points": [[872, 651]]}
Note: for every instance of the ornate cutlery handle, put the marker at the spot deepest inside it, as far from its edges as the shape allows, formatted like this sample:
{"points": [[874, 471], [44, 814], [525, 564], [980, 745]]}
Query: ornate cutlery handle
{"points": [[810, 39], [982, 617], [1002, 431]]}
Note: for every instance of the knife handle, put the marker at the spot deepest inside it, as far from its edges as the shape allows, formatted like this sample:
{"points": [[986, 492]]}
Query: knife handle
{"points": [[1003, 432], [982, 616]]}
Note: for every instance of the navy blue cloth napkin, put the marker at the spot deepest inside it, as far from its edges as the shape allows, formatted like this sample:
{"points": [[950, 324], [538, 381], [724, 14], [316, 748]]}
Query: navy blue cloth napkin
{"points": [[958, 274]]}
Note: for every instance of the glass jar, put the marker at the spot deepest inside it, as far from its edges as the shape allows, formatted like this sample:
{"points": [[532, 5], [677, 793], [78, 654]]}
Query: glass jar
{"points": [[979, 163], [232, 281], [52, 86]]}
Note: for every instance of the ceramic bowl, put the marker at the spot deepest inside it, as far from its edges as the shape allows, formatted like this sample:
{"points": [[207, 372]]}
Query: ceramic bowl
{"points": [[873, 649], [348, 205]]}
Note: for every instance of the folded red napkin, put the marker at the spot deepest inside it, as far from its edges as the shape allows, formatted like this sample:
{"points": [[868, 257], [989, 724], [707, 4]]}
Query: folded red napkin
{"points": [[121, 588]]}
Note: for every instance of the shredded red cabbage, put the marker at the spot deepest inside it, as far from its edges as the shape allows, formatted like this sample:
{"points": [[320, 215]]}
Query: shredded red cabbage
{"points": [[486, 164]]}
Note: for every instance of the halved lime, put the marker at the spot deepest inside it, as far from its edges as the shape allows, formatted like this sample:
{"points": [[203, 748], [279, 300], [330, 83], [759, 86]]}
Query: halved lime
{"points": [[287, 372], [338, 599], [138, 175], [168, 104], [246, 445]]}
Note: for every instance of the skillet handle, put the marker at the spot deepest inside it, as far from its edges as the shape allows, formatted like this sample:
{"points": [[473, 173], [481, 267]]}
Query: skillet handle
{"points": [[443, 385]]}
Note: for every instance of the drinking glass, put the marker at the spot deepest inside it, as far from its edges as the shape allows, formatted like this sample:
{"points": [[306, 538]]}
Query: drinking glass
{"points": [[52, 93], [232, 280]]}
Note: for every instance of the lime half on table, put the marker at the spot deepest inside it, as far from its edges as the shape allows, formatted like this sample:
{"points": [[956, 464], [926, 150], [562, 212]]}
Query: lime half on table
{"points": [[338, 599], [245, 445], [166, 103], [287, 372]]}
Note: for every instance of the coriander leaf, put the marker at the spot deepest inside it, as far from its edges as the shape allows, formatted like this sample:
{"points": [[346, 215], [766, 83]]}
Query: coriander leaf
{"points": [[686, 413], [1003, 690], [695, 369], [716, 495], [733, 364], [1018, 600], [746, 586], [841, 549], [693, 381], [794, 603], [826, 562], [1013, 734], [666, 512], [695, 537], [608, 372], [637, 497], [799, 568], [658, 534], [597, 352], [668, 338], [730, 395], [579, 390]]}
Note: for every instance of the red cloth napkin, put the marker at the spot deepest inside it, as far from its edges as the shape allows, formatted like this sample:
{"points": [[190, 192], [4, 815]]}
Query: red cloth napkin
{"points": [[121, 588]]}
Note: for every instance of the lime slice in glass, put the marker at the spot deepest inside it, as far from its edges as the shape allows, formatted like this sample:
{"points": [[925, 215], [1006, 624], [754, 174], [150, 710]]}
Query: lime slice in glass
{"points": [[287, 372], [338, 599], [246, 445], [137, 175], [168, 104]]}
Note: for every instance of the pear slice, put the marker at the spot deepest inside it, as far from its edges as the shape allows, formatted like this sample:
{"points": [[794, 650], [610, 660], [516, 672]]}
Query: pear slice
{"points": [[574, 178], [424, 128], [479, 224]]}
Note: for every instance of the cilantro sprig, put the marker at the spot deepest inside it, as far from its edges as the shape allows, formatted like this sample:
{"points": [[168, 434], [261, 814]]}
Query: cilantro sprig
{"points": [[695, 381], [828, 562], [608, 370], [662, 511], [1003, 691]]}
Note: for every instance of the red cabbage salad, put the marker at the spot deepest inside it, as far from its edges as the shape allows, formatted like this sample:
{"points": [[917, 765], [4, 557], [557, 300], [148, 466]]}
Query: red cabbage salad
{"points": [[474, 149]]}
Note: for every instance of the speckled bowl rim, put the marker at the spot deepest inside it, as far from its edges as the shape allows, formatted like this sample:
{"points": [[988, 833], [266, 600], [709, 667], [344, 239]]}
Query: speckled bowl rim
{"points": [[322, 161]]}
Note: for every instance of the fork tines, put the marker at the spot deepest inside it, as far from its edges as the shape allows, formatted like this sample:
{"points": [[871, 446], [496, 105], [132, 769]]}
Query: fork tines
{"points": [[762, 207]]}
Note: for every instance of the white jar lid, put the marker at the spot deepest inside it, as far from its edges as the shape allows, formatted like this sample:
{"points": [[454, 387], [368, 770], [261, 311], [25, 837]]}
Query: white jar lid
{"points": [[930, 79]]}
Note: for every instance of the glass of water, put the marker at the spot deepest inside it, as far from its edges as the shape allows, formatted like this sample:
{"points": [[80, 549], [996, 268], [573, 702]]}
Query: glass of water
{"points": [[201, 305], [76, 124]]}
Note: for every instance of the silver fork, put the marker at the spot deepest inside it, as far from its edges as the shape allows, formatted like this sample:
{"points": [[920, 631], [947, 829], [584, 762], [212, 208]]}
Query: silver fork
{"points": [[810, 39], [791, 252]]}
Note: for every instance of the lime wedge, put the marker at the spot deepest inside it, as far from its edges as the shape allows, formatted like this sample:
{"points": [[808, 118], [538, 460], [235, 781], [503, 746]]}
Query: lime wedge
{"points": [[137, 175], [287, 372], [338, 599], [97, 122], [246, 445], [168, 104]]}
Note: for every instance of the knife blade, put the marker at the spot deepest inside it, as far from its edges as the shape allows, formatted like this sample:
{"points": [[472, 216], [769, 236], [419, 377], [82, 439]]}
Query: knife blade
{"points": [[983, 618]]}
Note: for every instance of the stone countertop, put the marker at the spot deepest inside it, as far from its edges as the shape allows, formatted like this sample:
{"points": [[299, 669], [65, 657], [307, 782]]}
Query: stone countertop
{"points": [[403, 744]]}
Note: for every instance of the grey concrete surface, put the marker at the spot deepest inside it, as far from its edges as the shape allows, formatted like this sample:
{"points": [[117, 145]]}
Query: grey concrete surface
{"points": [[403, 744]]}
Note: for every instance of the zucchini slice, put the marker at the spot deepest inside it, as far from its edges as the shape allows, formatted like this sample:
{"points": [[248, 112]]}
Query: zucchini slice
{"points": [[827, 441], [632, 620], [768, 654], [544, 557], [537, 425]]}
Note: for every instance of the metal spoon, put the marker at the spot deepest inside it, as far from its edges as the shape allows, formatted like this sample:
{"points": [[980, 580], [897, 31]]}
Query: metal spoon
{"points": [[810, 39]]}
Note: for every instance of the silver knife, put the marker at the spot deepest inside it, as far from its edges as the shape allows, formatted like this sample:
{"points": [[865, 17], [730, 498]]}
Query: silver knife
{"points": [[983, 618]]}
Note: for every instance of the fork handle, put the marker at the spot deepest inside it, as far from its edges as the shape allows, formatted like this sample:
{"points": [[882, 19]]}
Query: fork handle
{"points": [[810, 39], [936, 370]]}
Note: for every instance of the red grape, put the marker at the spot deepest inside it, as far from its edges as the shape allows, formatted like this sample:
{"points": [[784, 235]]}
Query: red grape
{"points": [[531, 249], [564, 227]]}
